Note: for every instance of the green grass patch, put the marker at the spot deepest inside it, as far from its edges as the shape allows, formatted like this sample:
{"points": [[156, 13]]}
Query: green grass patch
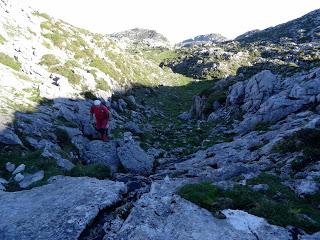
{"points": [[25, 108], [88, 95], [46, 44], [65, 122], [57, 39], [2, 39], [33, 161], [44, 15], [102, 85], [49, 60], [159, 55], [306, 141], [35, 96], [279, 205], [72, 77], [262, 126], [172, 101], [10, 62], [95, 170], [106, 68], [72, 64], [46, 25]]}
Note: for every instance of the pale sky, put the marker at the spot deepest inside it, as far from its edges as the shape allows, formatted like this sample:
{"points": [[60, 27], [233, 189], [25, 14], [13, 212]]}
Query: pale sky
{"points": [[176, 19]]}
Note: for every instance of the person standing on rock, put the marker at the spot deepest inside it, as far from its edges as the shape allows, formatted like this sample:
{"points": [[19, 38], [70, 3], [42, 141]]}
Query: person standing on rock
{"points": [[101, 113]]}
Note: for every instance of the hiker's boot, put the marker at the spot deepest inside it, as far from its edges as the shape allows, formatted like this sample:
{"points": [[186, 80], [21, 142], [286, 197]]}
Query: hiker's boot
{"points": [[104, 137]]}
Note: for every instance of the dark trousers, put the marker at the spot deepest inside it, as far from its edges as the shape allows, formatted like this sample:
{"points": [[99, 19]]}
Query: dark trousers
{"points": [[103, 133]]}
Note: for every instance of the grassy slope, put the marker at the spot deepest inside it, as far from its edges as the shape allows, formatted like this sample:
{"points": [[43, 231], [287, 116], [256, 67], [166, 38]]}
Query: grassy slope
{"points": [[96, 51], [279, 205]]}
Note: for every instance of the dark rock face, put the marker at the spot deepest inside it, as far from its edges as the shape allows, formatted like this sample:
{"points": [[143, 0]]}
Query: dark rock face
{"points": [[302, 30]]}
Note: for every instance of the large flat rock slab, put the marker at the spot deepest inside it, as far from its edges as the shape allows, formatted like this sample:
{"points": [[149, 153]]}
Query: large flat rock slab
{"points": [[60, 210]]}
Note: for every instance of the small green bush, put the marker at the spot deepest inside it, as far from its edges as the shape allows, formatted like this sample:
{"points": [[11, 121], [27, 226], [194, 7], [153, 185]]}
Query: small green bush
{"points": [[10, 62], [49, 60]]}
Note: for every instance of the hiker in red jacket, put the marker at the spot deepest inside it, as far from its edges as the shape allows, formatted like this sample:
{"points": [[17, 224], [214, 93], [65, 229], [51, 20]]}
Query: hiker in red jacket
{"points": [[101, 114]]}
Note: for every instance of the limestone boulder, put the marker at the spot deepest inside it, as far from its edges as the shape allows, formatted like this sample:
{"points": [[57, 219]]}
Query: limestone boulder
{"points": [[57, 211]]}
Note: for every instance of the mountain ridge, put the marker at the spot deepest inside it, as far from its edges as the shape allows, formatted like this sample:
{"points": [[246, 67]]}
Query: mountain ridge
{"points": [[300, 30]]}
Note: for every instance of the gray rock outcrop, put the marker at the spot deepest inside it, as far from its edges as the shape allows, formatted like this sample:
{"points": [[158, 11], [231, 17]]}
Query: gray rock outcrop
{"points": [[134, 159], [57, 211], [29, 179], [7, 136], [266, 98], [102, 153]]}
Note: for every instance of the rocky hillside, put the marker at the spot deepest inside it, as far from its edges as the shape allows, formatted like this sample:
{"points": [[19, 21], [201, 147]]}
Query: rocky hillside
{"points": [[138, 36], [202, 39], [302, 30], [234, 155], [281, 49]]}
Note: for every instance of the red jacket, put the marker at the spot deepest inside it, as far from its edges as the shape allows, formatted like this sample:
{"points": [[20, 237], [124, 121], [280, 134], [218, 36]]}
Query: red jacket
{"points": [[101, 114]]}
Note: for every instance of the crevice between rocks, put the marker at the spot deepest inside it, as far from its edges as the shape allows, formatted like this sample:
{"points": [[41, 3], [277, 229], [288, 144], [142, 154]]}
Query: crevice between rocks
{"points": [[94, 230]]}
